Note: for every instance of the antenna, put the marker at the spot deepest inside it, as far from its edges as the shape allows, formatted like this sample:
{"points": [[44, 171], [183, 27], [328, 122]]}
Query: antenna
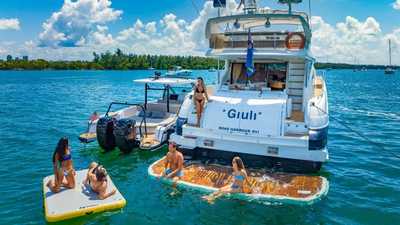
{"points": [[249, 6], [309, 12]]}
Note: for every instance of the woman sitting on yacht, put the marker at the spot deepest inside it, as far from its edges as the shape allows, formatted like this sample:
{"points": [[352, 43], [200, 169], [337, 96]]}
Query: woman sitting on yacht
{"points": [[239, 177], [199, 98], [63, 167]]}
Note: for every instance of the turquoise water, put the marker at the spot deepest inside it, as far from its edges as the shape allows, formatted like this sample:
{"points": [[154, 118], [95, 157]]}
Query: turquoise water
{"points": [[39, 107]]}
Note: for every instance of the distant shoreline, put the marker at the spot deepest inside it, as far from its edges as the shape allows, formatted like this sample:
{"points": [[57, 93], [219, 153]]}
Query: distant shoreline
{"points": [[85, 65], [121, 61]]}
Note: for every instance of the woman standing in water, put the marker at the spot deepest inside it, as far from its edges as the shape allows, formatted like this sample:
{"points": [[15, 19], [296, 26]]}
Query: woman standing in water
{"points": [[63, 167], [199, 97], [239, 177]]}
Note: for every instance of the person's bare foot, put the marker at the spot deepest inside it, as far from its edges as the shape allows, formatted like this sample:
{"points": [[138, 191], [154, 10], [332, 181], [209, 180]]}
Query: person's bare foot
{"points": [[48, 184], [209, 199]]}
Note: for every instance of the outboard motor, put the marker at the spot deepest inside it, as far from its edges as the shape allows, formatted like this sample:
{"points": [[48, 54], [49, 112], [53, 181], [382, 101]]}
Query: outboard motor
{"points": [[179, 123], [104, 133], [125, 135]]}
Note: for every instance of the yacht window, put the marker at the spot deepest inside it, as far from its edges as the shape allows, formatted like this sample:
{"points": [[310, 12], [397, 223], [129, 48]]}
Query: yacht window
{"points": [[266, 75]]}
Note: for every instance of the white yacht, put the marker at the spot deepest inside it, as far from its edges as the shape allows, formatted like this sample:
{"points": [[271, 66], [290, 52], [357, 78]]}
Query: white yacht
{"points": [[178, 72], [274, 117], [145, 125]]}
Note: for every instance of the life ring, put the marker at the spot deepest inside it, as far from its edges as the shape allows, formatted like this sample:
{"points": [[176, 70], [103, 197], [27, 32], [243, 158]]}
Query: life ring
{"points": [[295, 43]]}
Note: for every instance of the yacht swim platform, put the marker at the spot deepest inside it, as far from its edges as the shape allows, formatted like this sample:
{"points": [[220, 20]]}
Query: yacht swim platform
{"points": [[261, 186]]}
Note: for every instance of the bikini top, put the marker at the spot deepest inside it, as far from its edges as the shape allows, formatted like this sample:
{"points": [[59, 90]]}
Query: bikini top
{"points": [[197, 90], [66, 157], [239, 177]]}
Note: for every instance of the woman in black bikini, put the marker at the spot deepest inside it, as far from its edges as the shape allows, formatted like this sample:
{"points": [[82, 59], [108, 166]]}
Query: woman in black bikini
{"points": [[199, 98], [63, 167]]}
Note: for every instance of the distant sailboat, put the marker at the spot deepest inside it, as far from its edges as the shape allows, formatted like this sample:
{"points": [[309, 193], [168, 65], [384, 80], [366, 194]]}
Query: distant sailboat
{"points": [[389, 69]]}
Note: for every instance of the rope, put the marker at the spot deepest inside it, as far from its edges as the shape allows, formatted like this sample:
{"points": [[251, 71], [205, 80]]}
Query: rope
{"points": [[367, 139]]}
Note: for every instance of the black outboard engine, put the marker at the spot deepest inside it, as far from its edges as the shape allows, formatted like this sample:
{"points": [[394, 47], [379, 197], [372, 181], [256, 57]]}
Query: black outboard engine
{"points": [[104, 133], [125, 135]]}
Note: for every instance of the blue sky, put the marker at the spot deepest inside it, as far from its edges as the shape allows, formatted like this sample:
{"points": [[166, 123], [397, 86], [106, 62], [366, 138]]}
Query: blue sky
{"points": [[31, 14]]}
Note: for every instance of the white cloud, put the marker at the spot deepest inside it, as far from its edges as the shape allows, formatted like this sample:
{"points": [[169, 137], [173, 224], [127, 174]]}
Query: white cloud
{"points": [[9, 24], [396, 5], [76, 21], [83, 25], [171, 35], [351, 41]]}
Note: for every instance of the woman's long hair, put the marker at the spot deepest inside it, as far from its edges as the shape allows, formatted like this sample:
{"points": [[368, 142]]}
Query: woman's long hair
{"points": [[239, 163], [202, 82], [61, 148]]}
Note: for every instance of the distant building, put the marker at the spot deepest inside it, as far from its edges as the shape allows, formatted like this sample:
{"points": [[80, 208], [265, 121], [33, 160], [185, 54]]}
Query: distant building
{"points": [[25, 58]]}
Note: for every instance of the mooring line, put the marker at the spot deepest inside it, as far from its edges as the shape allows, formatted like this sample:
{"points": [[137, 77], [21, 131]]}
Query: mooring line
{"points": [[371, 142]]}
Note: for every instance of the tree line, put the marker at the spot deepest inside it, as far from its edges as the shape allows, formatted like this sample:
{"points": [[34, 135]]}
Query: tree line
{"points": [[117, 60]]}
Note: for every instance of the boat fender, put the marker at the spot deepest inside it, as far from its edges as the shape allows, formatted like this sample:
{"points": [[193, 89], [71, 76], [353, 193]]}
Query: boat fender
{"points": [[104, 133]]}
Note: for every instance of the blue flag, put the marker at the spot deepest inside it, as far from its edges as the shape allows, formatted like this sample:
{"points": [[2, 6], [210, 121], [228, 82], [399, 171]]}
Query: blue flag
{"points": [[249, 57]]}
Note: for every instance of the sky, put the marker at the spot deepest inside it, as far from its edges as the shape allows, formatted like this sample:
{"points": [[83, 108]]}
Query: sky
{"points": [[353, 31]]}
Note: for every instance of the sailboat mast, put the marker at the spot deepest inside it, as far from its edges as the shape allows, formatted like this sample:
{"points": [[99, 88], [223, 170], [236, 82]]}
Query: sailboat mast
{"points": [[390, 52]]}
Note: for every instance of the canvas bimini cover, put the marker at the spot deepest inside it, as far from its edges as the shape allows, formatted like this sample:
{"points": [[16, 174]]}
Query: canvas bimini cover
{"points": [[230, 114]]}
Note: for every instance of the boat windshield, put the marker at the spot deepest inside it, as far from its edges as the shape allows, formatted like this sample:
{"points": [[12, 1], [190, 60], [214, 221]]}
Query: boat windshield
{"points": [[267, 75]]}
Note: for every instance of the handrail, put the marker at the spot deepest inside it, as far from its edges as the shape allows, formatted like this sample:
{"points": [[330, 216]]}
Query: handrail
{"points": [[132, 104]]}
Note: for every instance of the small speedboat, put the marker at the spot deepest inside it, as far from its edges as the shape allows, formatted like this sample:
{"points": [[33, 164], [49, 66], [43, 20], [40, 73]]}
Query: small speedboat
{"points": [[146, 125], [261, 186], [178, 72]]}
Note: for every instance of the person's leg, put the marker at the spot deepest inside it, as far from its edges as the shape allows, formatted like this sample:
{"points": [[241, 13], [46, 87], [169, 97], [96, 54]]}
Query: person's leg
{"points": [[55, 184], [198, 112], [201, 109], [222, 191], [175, 181], [90, 170], [70, 179]]}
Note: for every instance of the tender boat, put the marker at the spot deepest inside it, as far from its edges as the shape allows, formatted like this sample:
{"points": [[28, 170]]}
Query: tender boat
{"points": [[146, 126], [178, 72], [269, 105], [261, 185]]}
